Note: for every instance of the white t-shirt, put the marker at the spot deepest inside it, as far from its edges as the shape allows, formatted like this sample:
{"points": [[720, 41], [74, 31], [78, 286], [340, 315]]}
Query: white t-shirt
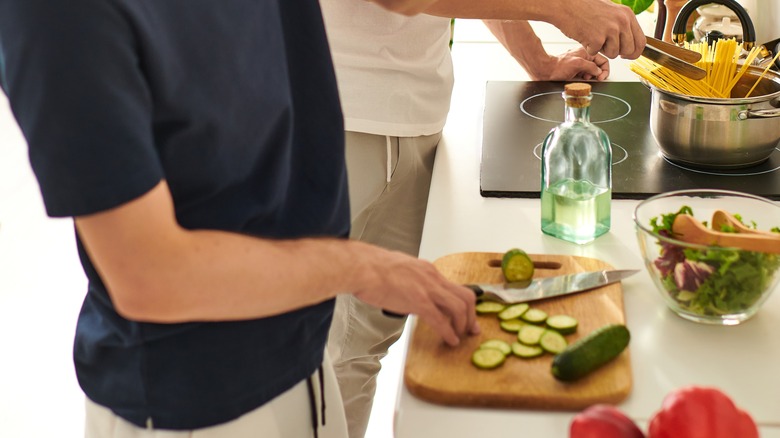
{"points": [[394, 72]]}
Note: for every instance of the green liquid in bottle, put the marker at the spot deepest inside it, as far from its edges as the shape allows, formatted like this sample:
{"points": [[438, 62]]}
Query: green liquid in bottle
{"points": [[576, 211]]}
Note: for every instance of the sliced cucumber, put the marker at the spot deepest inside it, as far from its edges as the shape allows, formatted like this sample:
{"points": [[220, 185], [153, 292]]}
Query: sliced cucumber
{"points": [[552, 342], [526, 351], [590, 352], [534, 316], [497, 344], [512, 325], [516, 265], [563, 324], [489, 307], [513, 312], [487, 358], [530, 334]]}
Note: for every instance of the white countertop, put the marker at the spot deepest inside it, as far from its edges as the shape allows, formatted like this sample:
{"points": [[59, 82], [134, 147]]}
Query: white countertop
{"points": [[667, 352]]}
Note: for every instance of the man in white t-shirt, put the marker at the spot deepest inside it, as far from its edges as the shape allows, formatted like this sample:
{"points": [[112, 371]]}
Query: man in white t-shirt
{"points": [[395, 81]]}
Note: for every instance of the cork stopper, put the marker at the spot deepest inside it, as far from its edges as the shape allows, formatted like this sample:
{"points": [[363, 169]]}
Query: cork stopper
{"points": [[577, 89], [577, 94]]}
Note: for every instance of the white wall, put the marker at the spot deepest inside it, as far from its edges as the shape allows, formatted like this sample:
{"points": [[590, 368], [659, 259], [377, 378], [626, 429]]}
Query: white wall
{"points": [[766, 18]]}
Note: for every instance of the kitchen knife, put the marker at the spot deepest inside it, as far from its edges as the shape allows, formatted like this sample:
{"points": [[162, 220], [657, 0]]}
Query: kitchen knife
{"points": [[539, 289], [673, 63], [674, 50]]}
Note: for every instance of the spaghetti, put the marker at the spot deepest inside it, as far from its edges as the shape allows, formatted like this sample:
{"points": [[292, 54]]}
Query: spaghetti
{"points": [[721, 61]]}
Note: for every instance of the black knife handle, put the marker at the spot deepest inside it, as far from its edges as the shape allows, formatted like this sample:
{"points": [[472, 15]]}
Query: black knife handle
{"points": [[477, 291]]}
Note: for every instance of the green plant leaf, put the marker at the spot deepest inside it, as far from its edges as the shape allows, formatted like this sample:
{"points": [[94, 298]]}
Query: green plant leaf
{"points": [[638, 6]]}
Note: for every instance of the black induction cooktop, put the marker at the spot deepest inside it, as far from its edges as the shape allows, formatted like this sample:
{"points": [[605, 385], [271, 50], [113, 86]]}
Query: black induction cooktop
{"points": [[519, 114]]}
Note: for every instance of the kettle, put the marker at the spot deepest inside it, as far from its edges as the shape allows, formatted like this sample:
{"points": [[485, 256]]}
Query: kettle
{"points": [[715, 17], [748, 37]]}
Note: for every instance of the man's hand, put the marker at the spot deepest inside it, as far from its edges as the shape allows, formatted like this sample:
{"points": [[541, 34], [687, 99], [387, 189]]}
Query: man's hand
{"points": [[519, 39], [402, 284], [602, 26], [573, 64]]}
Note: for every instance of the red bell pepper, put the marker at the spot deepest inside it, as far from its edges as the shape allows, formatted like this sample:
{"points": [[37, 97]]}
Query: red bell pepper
{"points": [[701, 412], [603, 421]]}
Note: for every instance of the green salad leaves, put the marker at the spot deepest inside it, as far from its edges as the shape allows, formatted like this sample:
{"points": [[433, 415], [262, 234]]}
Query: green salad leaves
{"points": [[712, 282], [638, 6]]}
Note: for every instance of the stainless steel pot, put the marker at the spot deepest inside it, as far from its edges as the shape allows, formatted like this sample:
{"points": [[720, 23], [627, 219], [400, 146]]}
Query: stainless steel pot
{"points": [[719, 133]]}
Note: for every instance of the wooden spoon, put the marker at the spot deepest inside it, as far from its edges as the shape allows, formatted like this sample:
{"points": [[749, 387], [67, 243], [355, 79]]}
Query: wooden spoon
{"points": [[723, 218], [688, 229]]}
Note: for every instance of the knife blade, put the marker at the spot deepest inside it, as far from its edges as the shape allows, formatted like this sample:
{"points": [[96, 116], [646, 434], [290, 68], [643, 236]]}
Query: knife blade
{"points": [[539, 289], [674, 50], [673, 63]]}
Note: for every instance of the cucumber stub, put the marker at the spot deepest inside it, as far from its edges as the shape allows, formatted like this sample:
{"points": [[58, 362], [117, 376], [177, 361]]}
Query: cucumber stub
{"points": [[590, 352], [517, 266]]}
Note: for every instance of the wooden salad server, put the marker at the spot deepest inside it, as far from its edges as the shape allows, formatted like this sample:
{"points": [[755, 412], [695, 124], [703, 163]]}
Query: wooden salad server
{"points": [[688, 229]]}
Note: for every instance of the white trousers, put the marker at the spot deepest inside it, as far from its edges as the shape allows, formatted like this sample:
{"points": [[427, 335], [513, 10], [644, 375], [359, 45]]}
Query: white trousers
{"points": [[286, 416], [389, 214]]}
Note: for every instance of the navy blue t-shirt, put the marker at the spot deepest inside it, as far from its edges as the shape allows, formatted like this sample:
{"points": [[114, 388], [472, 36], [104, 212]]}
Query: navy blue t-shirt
{"points": [[233, 103]]}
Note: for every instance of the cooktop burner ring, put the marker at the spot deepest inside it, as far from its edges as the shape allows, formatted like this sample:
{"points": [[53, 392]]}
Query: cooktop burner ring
{"points": [[601, 106], [623, 153], [735, 172]]}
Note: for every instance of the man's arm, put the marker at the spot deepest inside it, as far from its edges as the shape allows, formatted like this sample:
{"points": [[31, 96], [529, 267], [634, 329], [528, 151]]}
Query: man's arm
{"points": [[520, 40], [601, 26], [157, 271]]}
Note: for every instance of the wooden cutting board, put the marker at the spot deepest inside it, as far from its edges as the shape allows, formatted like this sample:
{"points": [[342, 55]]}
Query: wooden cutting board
{"points": [[441, 374]]}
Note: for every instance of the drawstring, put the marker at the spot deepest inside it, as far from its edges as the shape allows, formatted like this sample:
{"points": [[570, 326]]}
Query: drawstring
{"points": [[389, 159], [313, 403]]}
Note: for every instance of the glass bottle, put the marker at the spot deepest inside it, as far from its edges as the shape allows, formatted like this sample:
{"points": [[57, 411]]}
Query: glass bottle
{"points": [[576, 173]]}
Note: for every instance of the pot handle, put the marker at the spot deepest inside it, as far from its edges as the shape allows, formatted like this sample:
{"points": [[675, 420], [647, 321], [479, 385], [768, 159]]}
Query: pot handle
{"points": [[681, 22], [758, 114]]}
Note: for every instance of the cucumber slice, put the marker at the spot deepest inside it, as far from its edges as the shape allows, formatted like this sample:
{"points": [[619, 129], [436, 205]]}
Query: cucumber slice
{"points": [[526, 351], [489, 307], [552, 342], [512, 325], [530, 334], [517, 266], [487, 358], [513, 312], [590, 352], [563, 324], [497, 344], [534, 316]]}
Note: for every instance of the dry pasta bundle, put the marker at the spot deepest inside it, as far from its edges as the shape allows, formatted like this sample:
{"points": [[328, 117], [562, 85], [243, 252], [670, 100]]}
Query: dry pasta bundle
{"points": [[721, 61]]}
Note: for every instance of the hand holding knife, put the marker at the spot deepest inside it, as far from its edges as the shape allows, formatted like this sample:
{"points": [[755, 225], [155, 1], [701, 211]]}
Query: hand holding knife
{"points": [[542, 288]]}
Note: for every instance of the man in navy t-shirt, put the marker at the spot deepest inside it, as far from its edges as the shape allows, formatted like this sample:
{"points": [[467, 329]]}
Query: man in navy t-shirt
{"points": [[199, 147]]}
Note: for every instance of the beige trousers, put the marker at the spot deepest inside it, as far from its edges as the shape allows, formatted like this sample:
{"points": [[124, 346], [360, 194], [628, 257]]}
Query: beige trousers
{"points": [[286, 416], [389, 214]]}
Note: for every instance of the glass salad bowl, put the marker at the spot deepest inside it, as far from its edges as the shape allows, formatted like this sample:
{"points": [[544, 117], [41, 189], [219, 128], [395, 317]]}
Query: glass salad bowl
{"points": [[707, 283]]}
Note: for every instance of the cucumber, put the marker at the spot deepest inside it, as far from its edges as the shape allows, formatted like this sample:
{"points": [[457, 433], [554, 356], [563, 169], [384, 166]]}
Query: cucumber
{"points": [[517, 266], [512, 325], [526, 351], [563, 324], [530, 334], [513, 312], [489, 307], [487, 358], [552, 342], [590, 352], [534, 316], [498, 344]]}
